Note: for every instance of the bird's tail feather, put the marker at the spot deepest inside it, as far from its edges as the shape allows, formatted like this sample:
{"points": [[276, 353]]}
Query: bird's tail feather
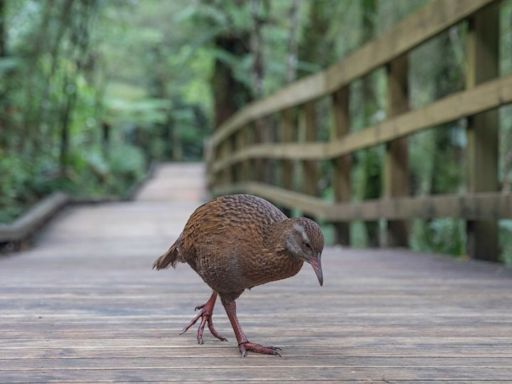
{"points": [[171, 257]]}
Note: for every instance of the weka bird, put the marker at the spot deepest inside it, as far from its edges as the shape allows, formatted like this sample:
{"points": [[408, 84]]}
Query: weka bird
{"points": [[237, 242]]}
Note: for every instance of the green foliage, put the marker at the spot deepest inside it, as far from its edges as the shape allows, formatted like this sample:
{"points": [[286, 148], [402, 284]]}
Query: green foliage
{"points": [[52, 107], [144, 113], [14, 187], [446, 236], [91, 91], [73, 68], [505, 237]]}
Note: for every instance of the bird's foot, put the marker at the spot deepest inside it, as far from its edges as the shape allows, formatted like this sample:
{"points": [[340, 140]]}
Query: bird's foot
{"points": [[205, 314], [257, 348]]}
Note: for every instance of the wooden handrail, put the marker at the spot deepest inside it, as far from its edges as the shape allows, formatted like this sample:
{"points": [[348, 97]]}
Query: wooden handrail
{"points": [[433, 19], [489, 95], [25, 225], [242, 158], [477, 206]]}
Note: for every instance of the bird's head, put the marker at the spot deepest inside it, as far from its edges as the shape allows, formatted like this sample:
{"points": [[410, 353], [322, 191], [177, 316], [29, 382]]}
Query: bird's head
{"points": [[306, 241]]}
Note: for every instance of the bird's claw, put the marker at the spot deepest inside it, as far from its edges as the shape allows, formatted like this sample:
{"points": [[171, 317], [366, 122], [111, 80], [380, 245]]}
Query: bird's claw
{"points": [[206, 318], [257, 348]]}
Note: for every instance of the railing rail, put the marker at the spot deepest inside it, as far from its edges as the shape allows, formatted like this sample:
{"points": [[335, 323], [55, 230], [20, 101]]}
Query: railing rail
{"points": [[241, 151]]}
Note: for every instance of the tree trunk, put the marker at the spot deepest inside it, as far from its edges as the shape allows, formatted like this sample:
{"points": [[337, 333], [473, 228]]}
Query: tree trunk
{"points": [[291, 62], [65, 122], [317, 47], [3, 30], [257, 48], [32, 108], [229, 93], [42, 112], [106, 130]]}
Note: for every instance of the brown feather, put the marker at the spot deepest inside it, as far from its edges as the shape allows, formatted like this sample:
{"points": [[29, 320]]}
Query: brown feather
{"points": [[237, 242]]}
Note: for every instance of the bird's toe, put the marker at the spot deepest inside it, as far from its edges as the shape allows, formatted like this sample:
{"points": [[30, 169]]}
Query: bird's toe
{"points": [[258, 348]]}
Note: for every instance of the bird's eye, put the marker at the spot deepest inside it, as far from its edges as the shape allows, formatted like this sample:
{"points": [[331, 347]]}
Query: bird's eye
{"points": [[307, 245]]}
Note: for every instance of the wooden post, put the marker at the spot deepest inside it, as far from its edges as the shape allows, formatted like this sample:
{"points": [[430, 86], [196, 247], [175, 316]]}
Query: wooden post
{"points": [[287, 128], [215, 176], [272, 165], [482, 129], [264, 130], [225, 150], [396, 169], [233, 168], [287, 137], [309, 167], [341, 166], [209, 159], [237, 145], [259, 163], [245, 141]]}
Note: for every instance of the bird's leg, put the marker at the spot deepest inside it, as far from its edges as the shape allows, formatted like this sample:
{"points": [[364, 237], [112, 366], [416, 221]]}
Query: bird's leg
{"points": [[243, 344], [205, 314]]}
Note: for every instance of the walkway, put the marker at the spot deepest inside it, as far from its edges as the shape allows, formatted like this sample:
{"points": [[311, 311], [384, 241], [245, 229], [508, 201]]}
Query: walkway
{"points": [[84, 305]]}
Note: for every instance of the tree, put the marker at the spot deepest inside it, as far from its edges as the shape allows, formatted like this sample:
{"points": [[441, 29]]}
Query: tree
{"points": [[230, 92], [3, 90]]}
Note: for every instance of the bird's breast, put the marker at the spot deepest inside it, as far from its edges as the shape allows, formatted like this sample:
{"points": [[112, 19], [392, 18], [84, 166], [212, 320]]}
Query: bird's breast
{"points": [[265, 268]]}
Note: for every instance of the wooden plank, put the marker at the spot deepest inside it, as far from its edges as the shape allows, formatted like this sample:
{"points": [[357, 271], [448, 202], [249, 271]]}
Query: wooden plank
{"points": [[28, 223], [239, 144], [229, 373], [208, 155], [231, 147], [396, 168], [485, 206], [482, 129], [287, 128], [434, 18], [246, 168], [269, 135], [234, 362], [287, 337], [298, 151], [473, 206], [84, 305], [309, 168], [310, 205], [225, 152], [341, 166], [257, 164], [481, 98]]}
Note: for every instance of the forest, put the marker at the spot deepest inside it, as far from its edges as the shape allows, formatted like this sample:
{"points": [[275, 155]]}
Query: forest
{"points": [[94, 91]]}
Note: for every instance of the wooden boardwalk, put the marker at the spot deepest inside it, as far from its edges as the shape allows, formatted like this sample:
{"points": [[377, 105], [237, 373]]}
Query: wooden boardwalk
{"points": [[84, 306]]}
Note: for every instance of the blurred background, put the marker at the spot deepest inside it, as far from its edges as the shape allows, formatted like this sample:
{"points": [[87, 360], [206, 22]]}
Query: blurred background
{"points": [[93, 91]]}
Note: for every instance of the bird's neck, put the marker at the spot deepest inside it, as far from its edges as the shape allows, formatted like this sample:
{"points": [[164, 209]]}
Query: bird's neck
{"points": [[275, 238]]}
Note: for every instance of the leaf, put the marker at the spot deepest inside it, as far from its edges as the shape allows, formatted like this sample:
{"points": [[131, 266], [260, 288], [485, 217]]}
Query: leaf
{"points": [[9, 63]]}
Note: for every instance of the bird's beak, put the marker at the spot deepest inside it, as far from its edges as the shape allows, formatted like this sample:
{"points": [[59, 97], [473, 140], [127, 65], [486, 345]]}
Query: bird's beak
{"points": [[317, 267]]}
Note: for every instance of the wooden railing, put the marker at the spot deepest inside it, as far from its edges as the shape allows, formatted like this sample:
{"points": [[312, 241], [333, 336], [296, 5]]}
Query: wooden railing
{"points": [[248, 148]]}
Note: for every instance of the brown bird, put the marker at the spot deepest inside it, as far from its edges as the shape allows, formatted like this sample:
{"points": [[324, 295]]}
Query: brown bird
{"points": [[237, 242]]}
